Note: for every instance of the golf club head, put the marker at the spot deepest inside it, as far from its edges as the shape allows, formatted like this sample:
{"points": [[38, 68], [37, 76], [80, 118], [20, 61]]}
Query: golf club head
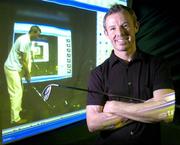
{"points": [[47, 91]]}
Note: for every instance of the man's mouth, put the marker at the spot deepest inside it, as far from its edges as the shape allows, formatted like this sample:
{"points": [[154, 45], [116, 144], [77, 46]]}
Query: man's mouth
{"points": [[121, 41]]}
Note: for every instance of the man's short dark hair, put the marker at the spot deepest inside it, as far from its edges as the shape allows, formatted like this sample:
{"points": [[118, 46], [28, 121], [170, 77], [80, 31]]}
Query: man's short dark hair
{"points": [[34, 28], [119, 8]]}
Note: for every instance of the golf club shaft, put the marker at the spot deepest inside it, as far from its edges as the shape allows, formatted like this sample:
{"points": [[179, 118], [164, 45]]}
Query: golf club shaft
{"points": [[102, 93], [51, 106]]}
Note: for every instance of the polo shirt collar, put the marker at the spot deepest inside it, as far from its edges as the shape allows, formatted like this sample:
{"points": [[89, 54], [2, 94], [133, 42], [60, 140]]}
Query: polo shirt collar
{"points": [[114, 59]]}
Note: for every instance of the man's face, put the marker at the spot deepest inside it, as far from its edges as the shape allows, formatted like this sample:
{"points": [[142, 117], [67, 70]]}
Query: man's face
{"points": [[35, 34], [120, 29]]}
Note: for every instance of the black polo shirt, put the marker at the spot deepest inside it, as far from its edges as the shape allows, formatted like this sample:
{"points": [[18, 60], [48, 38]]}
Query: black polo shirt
{"points": [[136, 79]]}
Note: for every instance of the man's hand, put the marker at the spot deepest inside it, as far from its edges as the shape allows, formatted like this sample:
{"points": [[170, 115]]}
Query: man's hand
{"points": [[109, 106], [27, 77]]}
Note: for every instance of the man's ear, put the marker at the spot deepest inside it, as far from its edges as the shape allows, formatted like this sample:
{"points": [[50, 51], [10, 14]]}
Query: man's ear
{"points": [[137, 27], [105, 33]]}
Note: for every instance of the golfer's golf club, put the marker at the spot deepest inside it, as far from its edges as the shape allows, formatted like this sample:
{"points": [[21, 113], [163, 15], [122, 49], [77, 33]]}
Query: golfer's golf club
{"points": [[51, 106], [36, 90]]}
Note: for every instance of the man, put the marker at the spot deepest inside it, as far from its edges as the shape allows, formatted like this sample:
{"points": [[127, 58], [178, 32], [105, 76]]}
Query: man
{"points": [[132, 73], [18, 65]]}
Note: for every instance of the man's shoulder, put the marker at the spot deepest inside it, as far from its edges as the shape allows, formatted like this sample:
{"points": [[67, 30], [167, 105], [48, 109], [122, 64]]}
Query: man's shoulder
{"points": [[103, 64], [151, 57], [23, 37], [101, 68]]}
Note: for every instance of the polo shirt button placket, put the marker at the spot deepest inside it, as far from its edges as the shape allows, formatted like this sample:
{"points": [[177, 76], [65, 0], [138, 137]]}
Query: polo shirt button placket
{"points": [[129, 83], [132, 133]]}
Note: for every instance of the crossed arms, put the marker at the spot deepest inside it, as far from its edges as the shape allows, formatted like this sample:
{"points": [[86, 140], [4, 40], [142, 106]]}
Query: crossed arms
{"points": [[115, 114]]}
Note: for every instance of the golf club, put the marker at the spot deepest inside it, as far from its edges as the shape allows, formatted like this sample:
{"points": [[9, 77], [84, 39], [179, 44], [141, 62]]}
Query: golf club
{"points": [[47, 91], [51, 106]]}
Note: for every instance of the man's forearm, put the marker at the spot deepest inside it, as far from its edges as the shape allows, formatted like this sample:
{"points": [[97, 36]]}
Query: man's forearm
{"points": [[104, 121], [148, 112], [113, 122], [25, 66], [108, 122]]}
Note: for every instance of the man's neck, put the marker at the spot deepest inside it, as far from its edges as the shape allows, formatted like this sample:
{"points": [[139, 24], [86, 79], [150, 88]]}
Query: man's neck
{"points": [[125, 55]]}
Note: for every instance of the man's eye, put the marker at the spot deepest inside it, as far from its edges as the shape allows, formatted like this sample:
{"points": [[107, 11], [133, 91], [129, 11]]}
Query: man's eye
{"points": [[112, 28], [125, 26]]}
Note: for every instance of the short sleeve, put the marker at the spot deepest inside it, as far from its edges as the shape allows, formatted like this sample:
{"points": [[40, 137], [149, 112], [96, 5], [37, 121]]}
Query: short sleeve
{"points": [[96, 83], [162, 75], [24, 43]]}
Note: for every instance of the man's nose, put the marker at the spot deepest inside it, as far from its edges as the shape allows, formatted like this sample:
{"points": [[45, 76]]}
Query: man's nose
{"points": [[120, 31]]}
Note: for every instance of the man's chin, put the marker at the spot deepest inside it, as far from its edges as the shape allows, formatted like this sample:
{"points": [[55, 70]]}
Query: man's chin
{"points": [[121, 49]]}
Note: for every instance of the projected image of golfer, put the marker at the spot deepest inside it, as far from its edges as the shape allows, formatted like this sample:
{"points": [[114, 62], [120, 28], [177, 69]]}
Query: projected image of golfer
{"points": [[18, 65]]}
